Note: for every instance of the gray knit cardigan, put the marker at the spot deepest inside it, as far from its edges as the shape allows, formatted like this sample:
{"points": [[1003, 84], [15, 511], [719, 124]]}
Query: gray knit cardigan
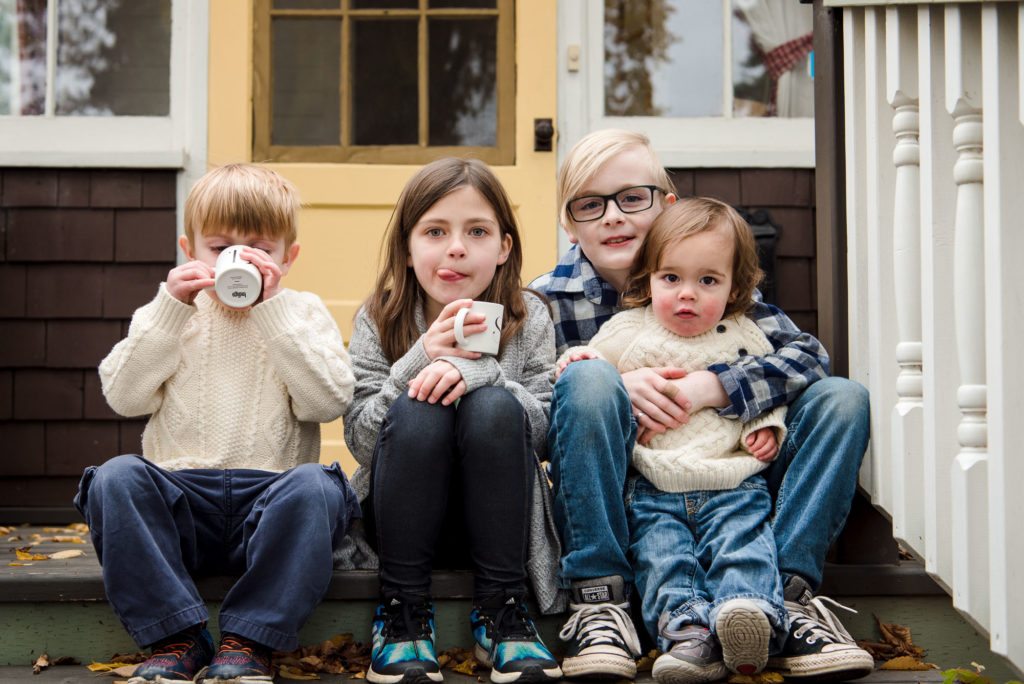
{"points": [[525, 368]]}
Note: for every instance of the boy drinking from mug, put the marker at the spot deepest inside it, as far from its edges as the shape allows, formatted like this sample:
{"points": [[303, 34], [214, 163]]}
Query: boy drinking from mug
{"points": [[229, 479]]}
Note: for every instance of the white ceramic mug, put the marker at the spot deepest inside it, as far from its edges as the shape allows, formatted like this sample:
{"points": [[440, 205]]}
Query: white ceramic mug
{"points": [[238, 282], [485, 342]]}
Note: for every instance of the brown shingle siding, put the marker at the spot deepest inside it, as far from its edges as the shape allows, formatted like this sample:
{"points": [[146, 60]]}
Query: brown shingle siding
{"points": [[73, 188], [64, 291], [159, 190], [775, 187], [797, 236], [29, 188], [116, 189], [65, 235], [48, 394], [126, 287], [722, 184], [145, 235], [22, 343], [94, 443], [95, 404], [80, 343], [131, 436], [6, 394], [12, 285], [20, 439]]}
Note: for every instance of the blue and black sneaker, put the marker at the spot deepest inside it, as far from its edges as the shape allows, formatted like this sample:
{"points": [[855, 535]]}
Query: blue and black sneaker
{"points": [[403, 642], [507, 642], [239, 661], [177, 658]]}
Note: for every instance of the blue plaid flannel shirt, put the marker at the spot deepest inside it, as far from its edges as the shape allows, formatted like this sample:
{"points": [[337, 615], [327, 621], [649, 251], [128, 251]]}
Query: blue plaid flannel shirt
{"points": [[582, 301]]}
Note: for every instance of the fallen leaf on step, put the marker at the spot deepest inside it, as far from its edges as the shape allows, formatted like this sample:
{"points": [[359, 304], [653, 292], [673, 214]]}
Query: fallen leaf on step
{"points": [[25, 553], [42, 662], [69, 553], [908, 663], [289, 672], [765, 677]]}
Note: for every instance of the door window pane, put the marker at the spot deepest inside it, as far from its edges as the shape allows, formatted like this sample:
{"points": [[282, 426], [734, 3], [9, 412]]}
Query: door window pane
{"points": [[462, 4], [385, 105], [463, 82], [772, 43], [307, 4], [113, 58], [385, 4], [663, 58], [306, 85]]}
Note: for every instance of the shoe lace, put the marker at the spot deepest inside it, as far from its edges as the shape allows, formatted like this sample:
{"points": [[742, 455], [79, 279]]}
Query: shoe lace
{"points": [[512, 621], [601, 623], [409, 620], [816, 617], [172, 648], [231, 643]]}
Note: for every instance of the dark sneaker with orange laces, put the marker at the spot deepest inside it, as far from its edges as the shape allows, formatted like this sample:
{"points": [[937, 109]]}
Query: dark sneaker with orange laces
{"points": [[239, 661], [177, 658]]}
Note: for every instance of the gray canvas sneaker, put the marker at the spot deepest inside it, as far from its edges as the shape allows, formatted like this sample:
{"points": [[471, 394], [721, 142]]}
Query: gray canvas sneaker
{"points": [[695, 656], [603, 643]]}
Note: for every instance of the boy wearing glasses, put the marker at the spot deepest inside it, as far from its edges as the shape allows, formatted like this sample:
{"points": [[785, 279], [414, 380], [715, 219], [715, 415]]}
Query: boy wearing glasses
{"points": [[611, 186]]}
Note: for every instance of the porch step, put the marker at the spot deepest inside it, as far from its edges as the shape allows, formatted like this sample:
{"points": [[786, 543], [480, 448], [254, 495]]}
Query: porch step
{"points": [[59, 607]]}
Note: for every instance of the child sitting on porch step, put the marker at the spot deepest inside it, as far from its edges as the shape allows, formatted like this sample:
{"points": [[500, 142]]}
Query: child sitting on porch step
{"points": [[449, 441], [700, 540], [229, 479]]}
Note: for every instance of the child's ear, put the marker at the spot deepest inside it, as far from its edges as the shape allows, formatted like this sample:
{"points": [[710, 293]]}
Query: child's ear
{"points": [[671, 198], [572, 238], [290, 255], [506, 249], [185, 247]]}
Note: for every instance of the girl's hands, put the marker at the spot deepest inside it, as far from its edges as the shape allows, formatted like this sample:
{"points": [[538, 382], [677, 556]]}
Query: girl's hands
{"points": [[439, 380], [184, 282], [268, 268], [579, 355], [762, 445], [439, 340]]}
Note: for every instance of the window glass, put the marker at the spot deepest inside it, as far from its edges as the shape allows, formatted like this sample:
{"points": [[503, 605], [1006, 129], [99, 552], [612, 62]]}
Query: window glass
{"points": [[663, 58], [385, 111], [307, 4], [385, 4], [479, 4], [463, 82], [113, 58], [306, 81], [23, 57]]}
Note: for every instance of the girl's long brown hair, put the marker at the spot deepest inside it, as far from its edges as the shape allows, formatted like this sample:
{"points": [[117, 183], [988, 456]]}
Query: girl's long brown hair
{"points": [[689, 216], [397, 293]]}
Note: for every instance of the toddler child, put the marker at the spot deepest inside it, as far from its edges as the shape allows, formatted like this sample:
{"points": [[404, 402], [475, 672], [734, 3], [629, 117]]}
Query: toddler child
{"points": [[700, 539], [449, 442], [228, 480]]}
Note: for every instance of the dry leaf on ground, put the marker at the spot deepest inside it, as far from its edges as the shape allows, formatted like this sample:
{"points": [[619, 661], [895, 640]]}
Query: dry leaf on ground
{"points": [[764, 677], [42, 662], [896, 648], [908, 663], [25, 553], [69, 553]]}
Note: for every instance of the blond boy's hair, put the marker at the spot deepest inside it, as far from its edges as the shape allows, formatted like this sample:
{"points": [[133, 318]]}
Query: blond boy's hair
{"points": [[247, 198], [590, 155]]}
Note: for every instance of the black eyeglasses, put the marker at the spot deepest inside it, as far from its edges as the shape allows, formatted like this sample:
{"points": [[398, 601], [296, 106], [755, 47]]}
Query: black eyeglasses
{"points": [[629, 201]]}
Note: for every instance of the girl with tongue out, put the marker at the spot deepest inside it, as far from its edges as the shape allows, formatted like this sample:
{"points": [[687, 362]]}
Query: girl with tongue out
{"points": [[450, 441]]}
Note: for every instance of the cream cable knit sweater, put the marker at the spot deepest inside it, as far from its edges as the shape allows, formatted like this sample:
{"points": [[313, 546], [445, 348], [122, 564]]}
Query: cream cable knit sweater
{"points": [[705, 453], [230, 389]]}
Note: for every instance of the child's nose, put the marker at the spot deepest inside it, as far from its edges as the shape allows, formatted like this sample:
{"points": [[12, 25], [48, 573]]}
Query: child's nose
{"points": [[612, 212], [456, 246]]}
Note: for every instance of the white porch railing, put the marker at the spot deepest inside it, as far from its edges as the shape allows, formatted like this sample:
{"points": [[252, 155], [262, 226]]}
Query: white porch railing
{"points": [[935, 209]]}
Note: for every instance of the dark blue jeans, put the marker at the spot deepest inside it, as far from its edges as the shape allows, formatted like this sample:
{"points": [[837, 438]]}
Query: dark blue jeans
{"points": [[154, 529], [446, 478]]}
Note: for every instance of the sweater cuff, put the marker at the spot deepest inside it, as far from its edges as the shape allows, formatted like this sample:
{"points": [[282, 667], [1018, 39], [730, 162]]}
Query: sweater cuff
{"points": [[476, 373], [407, 367], [274, 316], [169, 313]]}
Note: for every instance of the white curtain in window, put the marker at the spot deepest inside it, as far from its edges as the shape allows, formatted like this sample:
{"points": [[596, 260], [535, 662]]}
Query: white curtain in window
{"points": [[783, 29]]}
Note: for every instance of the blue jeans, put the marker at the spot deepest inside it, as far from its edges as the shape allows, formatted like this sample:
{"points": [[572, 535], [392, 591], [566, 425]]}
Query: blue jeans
{"points": [[590, 441], [693, 551], [447, 478], [154, 529]]}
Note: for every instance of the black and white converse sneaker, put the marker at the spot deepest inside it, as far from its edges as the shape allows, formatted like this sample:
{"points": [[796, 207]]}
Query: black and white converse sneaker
{"points": [[602, 639], [818, 646]]}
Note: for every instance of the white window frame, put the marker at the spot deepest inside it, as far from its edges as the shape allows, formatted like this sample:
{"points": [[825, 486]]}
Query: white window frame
{"points": [[175, 141], [680, 142]]}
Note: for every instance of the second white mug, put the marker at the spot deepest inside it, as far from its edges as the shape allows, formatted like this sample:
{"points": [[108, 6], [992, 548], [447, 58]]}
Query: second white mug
{"points": [[238, 282], [486, 342]]}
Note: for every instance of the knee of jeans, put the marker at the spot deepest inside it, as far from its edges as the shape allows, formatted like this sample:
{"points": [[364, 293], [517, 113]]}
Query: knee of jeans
{"points": [[121, 471], [842, 399], [490, 404], [588, 382], [418, 421]]}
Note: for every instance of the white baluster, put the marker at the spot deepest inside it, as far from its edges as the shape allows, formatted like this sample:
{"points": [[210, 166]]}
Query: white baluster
{"points": [[907, 436], [1003, 50], [970, 468]]}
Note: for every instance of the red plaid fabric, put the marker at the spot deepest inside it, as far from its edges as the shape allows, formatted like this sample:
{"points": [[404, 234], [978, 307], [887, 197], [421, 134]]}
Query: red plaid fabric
{"points": [[781, 59]]}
